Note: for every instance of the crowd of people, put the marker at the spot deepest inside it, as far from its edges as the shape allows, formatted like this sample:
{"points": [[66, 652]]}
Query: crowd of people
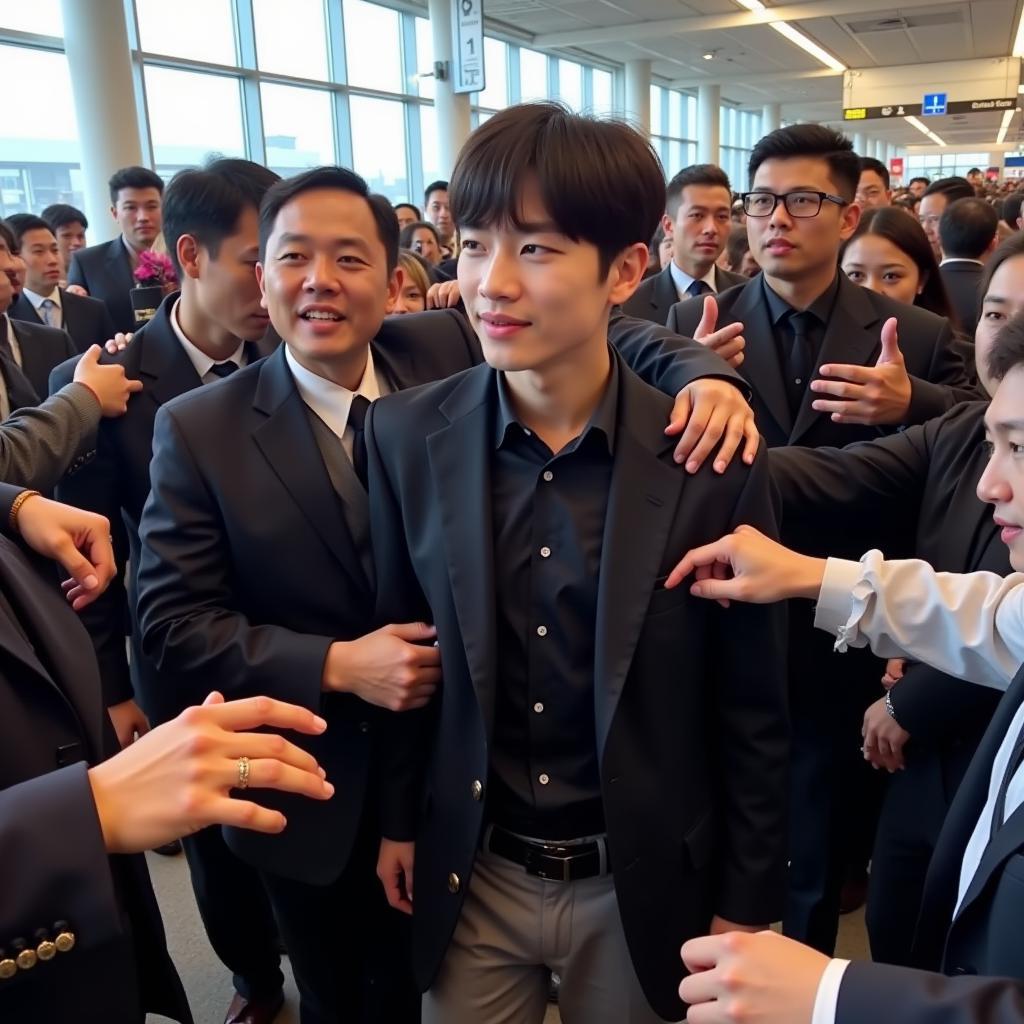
{"points": [[512, 545]]}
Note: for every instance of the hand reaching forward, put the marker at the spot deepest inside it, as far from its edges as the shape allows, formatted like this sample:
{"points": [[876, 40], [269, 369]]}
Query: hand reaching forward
{"points": [[728, 342]]}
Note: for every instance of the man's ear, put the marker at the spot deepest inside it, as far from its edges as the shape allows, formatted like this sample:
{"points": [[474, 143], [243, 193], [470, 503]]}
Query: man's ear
{"points": [[627, 271], [187, 251]]}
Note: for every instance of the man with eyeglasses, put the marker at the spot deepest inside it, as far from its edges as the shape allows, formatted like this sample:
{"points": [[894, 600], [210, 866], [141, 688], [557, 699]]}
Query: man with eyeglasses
{"points": [[829, 363]]}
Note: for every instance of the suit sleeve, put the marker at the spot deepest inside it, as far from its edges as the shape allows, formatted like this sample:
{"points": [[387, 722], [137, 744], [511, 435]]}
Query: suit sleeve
{"points": [[884, 993], [188, 621], [666, 360], [753, 748], [76, 275], [933, 706], [948, 382]]}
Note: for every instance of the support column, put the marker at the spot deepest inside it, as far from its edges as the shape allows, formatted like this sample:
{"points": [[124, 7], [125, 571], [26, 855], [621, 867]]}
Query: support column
{"points": [[638, 94], [99, 61], [859, 144], [452, 109], [709, 103], [771, 117]]}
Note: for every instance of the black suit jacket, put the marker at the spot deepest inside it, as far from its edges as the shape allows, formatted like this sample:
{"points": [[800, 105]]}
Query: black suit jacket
{"points": [[657, 294], [938, 376], [963, 284], [86, 319], [691, 731], [112, 478], [42, 348], [248, 571], [105, 272], [52, 857]]}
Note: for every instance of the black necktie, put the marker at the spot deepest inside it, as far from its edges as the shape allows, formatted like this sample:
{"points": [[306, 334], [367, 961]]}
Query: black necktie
{"points": [[999, 811], [224, 369], [698, 288], [800, 363], [357, 421]]}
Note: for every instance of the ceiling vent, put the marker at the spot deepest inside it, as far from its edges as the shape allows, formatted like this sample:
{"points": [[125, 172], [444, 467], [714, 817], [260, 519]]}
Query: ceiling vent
{"points": [[937, 19]]}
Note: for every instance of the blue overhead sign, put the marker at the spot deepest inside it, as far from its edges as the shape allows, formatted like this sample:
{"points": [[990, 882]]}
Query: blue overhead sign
{"points": [[934, 104]]}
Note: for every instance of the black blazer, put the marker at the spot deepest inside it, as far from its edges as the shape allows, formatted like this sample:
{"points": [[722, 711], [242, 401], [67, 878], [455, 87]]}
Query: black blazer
{"points": [[105, 272], [112, 478], [42, 348], [248, 571], [963, 284], [691, 731], [52, 857], [657, 294], [85, 319], [936, 367]]}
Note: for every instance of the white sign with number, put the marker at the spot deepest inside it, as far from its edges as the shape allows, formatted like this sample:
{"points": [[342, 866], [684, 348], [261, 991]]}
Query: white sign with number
{"points": [[468, 48]]}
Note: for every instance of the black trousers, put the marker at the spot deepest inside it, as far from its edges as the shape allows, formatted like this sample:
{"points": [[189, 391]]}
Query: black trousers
{"points": [[236, 914], [351, 954]]}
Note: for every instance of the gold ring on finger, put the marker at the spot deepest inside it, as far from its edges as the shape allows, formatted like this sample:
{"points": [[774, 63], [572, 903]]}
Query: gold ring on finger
{"points": [[243, 773]]}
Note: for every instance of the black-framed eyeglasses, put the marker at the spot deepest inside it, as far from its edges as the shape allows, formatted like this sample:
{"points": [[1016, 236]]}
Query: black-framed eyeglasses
{"points": [[802, 203]]}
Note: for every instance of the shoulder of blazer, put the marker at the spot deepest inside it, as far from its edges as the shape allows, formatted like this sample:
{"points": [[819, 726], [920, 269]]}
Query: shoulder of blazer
{"points": [[425, 405], [40, 334]]}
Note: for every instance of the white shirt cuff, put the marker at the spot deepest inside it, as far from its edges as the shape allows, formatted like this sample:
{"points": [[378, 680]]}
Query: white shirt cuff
{"points": [[827, 998], [841, 600]]}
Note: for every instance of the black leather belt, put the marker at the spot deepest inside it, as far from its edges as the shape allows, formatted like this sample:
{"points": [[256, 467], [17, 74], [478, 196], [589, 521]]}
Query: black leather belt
{"points": [[554, 862]]}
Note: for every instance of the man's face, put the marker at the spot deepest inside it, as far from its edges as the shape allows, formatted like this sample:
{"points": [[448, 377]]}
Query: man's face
{"points": [[1002, 483], [534, 295], [439, 215], [6, 276], [1003, 300], [871, 191], [225, 288], [701, 227], [976, 177], [789, 247], [324, 277], [929, 213], [406, 216], [42, 260], [425, 244], [70, 238], [917, 189], [138, 215]]}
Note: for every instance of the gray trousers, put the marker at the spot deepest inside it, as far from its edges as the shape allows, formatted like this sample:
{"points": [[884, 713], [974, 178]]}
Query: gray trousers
{"points": [[514, 929]]}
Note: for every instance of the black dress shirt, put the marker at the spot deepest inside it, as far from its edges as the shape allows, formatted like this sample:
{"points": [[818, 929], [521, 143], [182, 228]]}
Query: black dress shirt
{"points": [[548, 515]]}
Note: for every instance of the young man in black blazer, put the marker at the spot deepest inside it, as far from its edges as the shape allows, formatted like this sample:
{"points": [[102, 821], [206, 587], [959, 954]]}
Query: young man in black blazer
{"points": [[597, 751]]}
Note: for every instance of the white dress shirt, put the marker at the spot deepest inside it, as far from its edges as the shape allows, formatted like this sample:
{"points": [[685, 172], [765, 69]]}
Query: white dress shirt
{"points": [[969, 625], [330, 401], [12, 340], [37, 301], [682, 280], [199, 359]]}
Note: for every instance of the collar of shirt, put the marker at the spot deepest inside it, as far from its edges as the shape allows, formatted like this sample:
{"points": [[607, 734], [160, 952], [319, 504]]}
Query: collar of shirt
{"points": [[37, 300], [682, 280], [960, 259], [820, 308], [603, 419], [7, 325], [200, 360], [330, 401]]}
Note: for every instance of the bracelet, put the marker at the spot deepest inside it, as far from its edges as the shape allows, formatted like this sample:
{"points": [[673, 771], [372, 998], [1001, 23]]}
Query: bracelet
{"points": [[20, 500], [889, 708]]}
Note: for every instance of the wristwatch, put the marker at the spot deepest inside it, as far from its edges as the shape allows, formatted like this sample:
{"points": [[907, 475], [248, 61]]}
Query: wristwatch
{"points": [[889, 708]]}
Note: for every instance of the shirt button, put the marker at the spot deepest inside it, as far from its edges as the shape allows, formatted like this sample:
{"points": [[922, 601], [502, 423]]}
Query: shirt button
{"points": [[548, 475], [543, 778], [538, 707], [542, 631], [545, 552], [798, 381]]}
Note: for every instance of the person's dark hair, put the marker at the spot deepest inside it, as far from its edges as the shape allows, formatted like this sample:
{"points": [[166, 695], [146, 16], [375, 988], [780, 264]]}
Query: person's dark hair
{"points": [[599, 180], [869, 163], [696, 174], [434, 186], [974, 170], [405, 237], [1011, 209], [967, 228], [908, 236], [409, 206], [811, 140], [19, 223], [1006, 250], [134, 177], [953, 188], [1007, 351], [340, 179], [737, 247], [907, 202], [207, 202], [927, 181], [59, 215], [7, 234]]}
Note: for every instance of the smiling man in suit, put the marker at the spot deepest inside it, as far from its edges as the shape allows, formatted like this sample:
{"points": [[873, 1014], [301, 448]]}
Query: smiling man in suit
{"points": [[698, 218], [106, 270], [603, 770], [42, 301]]}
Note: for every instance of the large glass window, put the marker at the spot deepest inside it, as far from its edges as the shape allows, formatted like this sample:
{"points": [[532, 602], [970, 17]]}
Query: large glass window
{"points": [[602, 91], [495, 95], [533, 75], [429, 157], [425, 58], [373, 46], [378, 145], [41, 17], [291, 38], [196, 29], [298, 125], [570, 84]]}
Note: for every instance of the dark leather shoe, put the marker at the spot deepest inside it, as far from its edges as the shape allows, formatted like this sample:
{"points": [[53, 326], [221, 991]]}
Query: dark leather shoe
{"points": [[254, 1011], [171, 849]]}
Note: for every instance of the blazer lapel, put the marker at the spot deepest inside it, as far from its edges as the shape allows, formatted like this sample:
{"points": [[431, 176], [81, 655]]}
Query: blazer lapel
{"points": [[663, 295], [460, 465], [70, 313], [164, 366], [642, 503], [23, 309], [1006, 842], [286, 440], [852, 336], [761, 361]]}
